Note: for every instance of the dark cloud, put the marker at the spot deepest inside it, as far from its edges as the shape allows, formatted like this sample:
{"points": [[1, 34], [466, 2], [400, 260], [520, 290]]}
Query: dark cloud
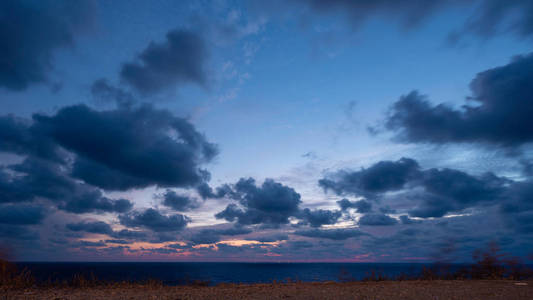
{"points": [[380, 177], [105, 92], [517, 210], [270, 197], [180, 59], [387, 210], [361, 206], [435, 192], [179, 202], [499, 114], [21, 214], [12, 190], [405, 220], [100, 175], [117, 250], [240, 251], [448, 190], [130, 147], [18, 232], [297, 245], [210, 236], [40, 178], [129, 234], [408, 13], [225, 190], [98, 227], [154, 220], [268, 238], [407, 241], [488, 17], [115, 241], [319, 217], [94, 201], [88, 244], [30, 33], [162, 250], [179, 246], [271, 203], [161, 150], [18, 136], [231, 213], [205, 191], [493, 17], [519, 197], [523, 222], [377, 220], [238, 230], [452, 240], [435, 206], [332, 234], [527, 167], [164, 236], [59, 241], [205, 237]]}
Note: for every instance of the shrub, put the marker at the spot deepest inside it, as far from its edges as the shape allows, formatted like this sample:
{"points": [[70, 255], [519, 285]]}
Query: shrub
{"points": [[11, 277]]}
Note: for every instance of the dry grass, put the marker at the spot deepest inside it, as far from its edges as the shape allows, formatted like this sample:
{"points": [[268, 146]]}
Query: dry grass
{"points": [[11, 277], [398, 290]]}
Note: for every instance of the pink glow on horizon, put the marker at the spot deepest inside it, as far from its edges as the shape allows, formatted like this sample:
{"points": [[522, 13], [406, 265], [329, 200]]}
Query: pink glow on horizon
{"points": [[415, 258], [367, 257], [145, 251]]}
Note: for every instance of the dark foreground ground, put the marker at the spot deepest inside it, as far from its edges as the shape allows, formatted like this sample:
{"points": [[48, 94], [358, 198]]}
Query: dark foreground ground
{"points": [[448, 289]]}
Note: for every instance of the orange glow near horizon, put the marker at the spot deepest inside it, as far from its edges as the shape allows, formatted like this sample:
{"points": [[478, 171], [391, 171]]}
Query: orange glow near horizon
{"points": [[238, 243], [146, 250]]}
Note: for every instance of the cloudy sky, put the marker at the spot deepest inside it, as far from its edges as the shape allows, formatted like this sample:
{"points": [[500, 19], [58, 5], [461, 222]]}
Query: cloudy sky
{"points": [[302, 130]]}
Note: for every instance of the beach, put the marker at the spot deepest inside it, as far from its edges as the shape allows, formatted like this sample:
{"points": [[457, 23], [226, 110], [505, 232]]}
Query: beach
{"points": [[412, 290]]}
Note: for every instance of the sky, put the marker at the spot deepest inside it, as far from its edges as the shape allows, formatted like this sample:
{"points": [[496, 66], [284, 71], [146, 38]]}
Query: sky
{"points": [[277, 131]]}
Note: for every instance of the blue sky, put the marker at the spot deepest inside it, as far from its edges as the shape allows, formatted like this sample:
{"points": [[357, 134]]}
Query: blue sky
{"points": [[285, 91]]}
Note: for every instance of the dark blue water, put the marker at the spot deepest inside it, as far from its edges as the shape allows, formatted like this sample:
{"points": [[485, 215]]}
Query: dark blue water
{"points": [[182, 273]]}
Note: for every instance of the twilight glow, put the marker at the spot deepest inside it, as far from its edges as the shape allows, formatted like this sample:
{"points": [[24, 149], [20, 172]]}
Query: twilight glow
{"points": [[302, 130]]}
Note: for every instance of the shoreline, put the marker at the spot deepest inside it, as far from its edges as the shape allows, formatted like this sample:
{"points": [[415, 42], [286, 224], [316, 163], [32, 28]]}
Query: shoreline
{"points": [[413, 290]]}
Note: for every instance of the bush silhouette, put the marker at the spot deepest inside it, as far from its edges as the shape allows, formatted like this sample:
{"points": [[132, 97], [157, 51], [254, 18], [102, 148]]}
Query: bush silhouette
{"points": [[11, 277]]}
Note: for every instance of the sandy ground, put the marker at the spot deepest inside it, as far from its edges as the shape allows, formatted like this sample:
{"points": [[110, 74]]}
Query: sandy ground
{"points": [[427, 290]]}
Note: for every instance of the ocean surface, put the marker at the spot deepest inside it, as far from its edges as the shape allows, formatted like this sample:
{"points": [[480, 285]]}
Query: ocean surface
{"points": [[175, 273]]}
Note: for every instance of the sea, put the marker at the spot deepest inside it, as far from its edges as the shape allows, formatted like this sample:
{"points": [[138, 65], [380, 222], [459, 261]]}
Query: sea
{"points": [[212, 273]]}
